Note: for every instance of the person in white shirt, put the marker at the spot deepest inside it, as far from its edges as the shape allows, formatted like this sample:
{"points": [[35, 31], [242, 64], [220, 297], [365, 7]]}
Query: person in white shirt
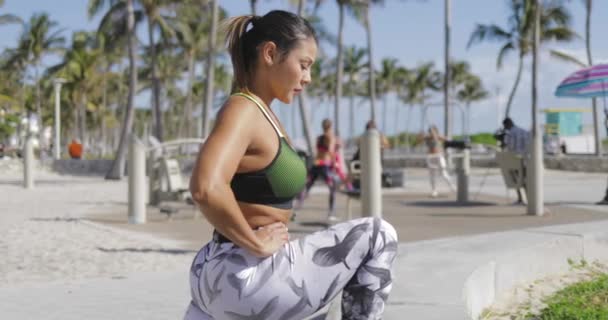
{"points": [[517, 140]]}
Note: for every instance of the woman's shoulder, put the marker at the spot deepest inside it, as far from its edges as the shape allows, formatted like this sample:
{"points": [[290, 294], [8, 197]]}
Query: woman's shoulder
{"points": [[236, 107], [237, 115]]}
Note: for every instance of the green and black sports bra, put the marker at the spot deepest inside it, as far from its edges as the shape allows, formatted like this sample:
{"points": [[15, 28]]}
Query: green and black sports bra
{"points": [[279, 182]]}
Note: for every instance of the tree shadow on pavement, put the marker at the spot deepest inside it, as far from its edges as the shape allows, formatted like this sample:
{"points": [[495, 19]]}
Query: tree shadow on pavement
{"points": [[45, 182], [448, 203], [57, 219], [146, 250], [479, 215]]}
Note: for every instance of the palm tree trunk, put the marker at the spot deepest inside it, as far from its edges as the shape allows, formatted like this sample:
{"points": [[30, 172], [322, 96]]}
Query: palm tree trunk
{"points": [[384, 113], [252, 3], [596, 127], [104, 103], [396, 123], [517, 79], [38, 104], [294, 115], [209, 94], [158, 125], [351, 108], [304, 113], [184, 120], [303, 103], [118, 166], [446, 82], [75, 129], [83, 118], [22, 112], [339, 67], [301, 8], [372, 75], [407, 127]]}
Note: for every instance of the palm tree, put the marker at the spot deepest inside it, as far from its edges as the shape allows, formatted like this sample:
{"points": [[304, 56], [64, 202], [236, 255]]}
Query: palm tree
{"points": [[113, 50], [570, 58], [118, 166], [191, 29], [37, 39], [152, 9], [423, 81], [303, 102], [8, 18], [339, 63], [253, 4], [361, 9], [461, 79], [555, 22], [471, 91], [169, 69], [386, 84], [401, 80], [80, 68], [353, 66], [210, 66]]}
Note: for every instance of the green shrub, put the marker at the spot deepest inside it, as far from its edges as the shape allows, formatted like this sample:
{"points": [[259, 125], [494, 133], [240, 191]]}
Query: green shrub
{"points": [[587, 300]]}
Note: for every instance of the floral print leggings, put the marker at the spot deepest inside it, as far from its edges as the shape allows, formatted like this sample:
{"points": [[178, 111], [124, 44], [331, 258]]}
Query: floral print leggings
{"points": [[305, 275]]}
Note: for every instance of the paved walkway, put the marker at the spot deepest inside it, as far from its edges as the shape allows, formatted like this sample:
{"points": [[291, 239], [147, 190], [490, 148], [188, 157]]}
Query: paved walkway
{"points": [[440, 244]]}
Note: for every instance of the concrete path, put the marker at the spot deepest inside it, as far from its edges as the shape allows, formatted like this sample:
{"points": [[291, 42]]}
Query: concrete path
{"points": [[441, 244]]}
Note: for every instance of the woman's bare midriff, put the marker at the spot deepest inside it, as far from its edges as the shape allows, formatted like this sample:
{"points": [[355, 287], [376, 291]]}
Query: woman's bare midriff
{"points": [[258, 215]]}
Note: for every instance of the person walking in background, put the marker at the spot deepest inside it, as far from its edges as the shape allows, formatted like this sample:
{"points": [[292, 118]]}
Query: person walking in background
{"points": [[517, 140], [75, 149], [324, 167], [340, 166], [384, 143], [435, 159], [244, 181]]}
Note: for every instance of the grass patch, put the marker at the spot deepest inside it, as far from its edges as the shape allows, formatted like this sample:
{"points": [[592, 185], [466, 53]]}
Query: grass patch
{"points": [[585, 300], [580, 294]]}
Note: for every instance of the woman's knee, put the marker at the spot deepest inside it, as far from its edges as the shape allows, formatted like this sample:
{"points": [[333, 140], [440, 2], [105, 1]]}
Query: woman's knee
{"points": [[383, 226], [389, 230]]}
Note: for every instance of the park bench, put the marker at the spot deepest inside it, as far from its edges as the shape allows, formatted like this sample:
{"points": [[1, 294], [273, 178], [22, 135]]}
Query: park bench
{"points": [[390, 179], [166, 180]]}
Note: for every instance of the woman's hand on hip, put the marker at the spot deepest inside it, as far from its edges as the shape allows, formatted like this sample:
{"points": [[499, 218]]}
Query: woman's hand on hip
{"points": [[272, 237]]}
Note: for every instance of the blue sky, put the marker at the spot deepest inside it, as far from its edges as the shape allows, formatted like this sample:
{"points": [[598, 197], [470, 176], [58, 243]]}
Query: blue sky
{"points": [[412, 32]]}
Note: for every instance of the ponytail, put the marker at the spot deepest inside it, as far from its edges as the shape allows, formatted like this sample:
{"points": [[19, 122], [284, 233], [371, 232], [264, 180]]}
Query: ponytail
{"points": [[283, 28], [236, 28]]}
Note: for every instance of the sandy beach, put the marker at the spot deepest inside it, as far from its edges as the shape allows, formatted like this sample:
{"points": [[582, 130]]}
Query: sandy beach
{"points": [[47, 236]]}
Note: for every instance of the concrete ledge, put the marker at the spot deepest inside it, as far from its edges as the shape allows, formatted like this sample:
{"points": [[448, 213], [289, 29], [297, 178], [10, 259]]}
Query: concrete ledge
{"points": [[566, 163], [521, 266], [99, 167], [96, 167]]}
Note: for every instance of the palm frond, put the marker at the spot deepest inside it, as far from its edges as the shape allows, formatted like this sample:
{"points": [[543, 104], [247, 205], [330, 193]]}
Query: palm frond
{"points": [[9, 19], [502, 53], [560, 55], [488, 32], [559, 34]]}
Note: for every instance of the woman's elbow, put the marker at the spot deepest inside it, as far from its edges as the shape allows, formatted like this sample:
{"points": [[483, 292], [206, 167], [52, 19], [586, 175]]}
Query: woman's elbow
{"points": [[201, 190]]}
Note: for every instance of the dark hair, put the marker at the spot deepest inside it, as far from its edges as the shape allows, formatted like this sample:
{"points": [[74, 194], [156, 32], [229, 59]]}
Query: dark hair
{"points": [[283, 28], [507, 122], [326, 124], [371, 124]]}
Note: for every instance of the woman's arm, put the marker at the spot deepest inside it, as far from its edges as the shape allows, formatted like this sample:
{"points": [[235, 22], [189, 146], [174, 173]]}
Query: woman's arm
{"points": [[217, 162]]}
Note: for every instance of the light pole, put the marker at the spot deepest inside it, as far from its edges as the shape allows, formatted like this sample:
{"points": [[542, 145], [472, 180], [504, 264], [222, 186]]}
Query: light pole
{"points": [[535, 166], [446, 86], [57, 84]]}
